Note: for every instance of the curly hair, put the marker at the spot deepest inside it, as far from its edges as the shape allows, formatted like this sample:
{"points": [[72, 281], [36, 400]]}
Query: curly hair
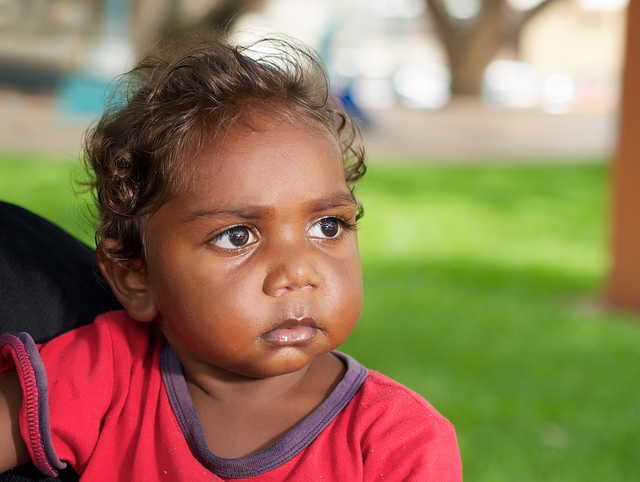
{"points": [[183, 96]]}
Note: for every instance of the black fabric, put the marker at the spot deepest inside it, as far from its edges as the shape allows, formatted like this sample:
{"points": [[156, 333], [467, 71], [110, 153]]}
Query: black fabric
{"points": [[29, 473], [48, 285], [48, 279]]}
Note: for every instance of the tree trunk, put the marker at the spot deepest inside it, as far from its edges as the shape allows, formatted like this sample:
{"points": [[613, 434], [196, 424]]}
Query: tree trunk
{"points": [[472, 43], [623, 289], [154, 18]]}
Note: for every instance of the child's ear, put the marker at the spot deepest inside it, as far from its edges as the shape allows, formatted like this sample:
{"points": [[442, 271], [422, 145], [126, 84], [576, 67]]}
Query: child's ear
{"points": [[127, 281]]}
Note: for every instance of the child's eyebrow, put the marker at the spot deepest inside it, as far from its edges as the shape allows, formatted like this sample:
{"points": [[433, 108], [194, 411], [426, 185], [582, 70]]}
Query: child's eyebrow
{"points": [[340, 200]]}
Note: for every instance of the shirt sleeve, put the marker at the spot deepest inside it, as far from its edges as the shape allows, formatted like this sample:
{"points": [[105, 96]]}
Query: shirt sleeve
{"points": [[406, 438], [19, 352], [67, 391]]}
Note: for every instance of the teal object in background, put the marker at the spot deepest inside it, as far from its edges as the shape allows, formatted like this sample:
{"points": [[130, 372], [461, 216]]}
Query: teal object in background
{"points": [[83, 95], [84, 91]]}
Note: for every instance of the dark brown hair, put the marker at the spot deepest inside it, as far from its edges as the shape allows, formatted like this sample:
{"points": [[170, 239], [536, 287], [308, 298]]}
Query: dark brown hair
{"points": [[182, 95]]}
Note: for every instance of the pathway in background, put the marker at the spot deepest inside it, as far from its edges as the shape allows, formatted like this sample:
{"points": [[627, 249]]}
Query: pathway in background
{"points": [[32, 123], [464, 130], [470, 131]]}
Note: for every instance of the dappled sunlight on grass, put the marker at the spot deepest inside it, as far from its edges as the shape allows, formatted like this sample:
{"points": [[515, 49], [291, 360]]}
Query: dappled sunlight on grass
{"points": [[527, 216]]}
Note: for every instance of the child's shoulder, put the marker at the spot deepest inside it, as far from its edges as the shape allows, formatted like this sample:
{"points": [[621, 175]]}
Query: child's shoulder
{"points": [[113, 339], [381, 394], [401, 433], [115, 328], [380, 398], [381, 387]]}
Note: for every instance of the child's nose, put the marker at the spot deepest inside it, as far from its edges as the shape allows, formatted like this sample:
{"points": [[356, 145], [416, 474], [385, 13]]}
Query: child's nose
{"points": [[292, 268]]}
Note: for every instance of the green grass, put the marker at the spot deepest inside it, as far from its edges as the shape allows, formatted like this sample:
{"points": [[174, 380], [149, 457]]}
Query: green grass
{"points": [[47, 185], [482, 290]]}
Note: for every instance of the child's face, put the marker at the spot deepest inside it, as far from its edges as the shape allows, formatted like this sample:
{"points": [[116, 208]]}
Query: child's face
{"points": [[256, 270]]}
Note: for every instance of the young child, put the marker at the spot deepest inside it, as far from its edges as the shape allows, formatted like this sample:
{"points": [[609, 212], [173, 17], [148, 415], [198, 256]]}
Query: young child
{"points": [[227, 230]]}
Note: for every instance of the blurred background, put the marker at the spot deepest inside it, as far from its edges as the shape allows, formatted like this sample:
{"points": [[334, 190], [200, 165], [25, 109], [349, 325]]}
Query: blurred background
{"points": [[435, 78], [491, 127]]}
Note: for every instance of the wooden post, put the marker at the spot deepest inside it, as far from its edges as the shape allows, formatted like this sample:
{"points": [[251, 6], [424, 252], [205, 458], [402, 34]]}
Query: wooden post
{"points": [[623, 290]]}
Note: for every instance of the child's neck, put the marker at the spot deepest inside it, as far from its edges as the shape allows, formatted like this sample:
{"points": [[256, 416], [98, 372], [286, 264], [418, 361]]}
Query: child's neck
{"points": [[241, 416]]}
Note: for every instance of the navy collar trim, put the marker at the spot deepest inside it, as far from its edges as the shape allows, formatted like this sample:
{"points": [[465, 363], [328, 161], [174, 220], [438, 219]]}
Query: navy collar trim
{"points": [[285, 449]]}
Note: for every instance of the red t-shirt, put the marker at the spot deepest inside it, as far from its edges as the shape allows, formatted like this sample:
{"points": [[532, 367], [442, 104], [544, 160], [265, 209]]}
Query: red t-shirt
{"points": [[110, 400]]}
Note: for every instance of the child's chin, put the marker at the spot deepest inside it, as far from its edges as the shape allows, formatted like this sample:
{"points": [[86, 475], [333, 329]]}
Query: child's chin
{"points": [[290, 359]]}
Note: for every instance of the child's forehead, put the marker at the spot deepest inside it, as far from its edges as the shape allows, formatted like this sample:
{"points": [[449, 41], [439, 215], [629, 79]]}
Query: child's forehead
{"points": [[265, 150], [280, 132], [278, 128]]}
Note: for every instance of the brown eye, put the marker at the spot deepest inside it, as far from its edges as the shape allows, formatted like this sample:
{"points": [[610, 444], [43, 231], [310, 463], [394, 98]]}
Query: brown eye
{"points": [[234, 238], [326, 228]]}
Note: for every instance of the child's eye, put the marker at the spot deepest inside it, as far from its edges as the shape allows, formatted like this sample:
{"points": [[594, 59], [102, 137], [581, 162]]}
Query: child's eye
{"points": [[326, 228], [234, 238]]}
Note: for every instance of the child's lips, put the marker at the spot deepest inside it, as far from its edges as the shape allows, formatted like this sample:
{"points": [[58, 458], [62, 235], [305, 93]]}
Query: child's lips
{"points": [[292, 332]]}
